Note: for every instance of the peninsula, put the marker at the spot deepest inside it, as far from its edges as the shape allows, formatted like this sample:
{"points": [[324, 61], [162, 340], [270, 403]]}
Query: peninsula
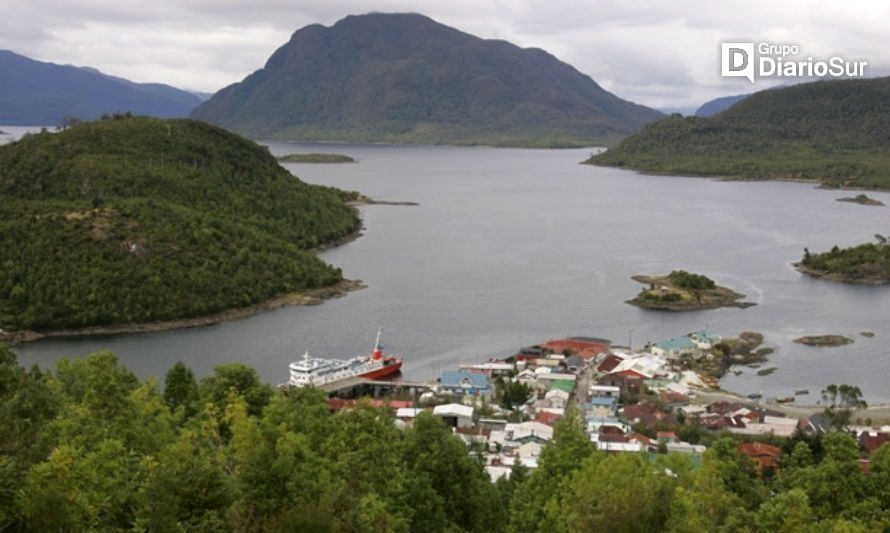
{"points": [[684, 291], [867, 263], [828, 132], [134, 220]]}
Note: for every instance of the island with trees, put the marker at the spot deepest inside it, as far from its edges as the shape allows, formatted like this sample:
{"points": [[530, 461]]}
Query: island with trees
{"points": [[138, 220], [867, 263], [315, 158], [684, 291]]}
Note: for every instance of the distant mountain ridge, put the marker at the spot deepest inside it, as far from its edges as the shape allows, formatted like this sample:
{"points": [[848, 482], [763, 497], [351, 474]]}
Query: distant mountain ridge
{"points": [[718, 105], [407, 78], [38, 93], [836, 132]]}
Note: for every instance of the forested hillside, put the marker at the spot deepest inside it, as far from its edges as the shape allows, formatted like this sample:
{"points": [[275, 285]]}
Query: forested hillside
{"points": [[90, 447], [836, 132], [138, 219]]}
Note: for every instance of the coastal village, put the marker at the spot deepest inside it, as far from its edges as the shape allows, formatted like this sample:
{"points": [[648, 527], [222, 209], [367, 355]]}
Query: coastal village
{"points": [[629, 401]]}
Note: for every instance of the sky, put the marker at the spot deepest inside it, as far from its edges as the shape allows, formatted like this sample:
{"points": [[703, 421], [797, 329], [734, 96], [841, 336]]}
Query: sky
{"points": [[664, 54]]}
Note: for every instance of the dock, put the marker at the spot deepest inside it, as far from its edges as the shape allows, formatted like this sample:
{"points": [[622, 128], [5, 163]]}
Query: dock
{"points": [[358, 387]]}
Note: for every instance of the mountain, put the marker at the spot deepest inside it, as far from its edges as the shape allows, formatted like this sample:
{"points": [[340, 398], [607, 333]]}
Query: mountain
{"points": [[718, 105], [140, 219], [37, 93], [836, 132], [407, 78]]}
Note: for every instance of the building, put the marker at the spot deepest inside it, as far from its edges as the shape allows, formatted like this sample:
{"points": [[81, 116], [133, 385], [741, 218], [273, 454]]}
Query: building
{"points": [[455, 415], [605, 391], [765, 455], [691, 344], [466, 383]]}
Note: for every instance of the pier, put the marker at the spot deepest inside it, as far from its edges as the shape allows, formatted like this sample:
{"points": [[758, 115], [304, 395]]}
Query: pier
{"points": [[358, 387]]}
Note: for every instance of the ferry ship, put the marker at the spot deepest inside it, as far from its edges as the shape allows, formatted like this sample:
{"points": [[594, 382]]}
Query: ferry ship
{"points": [[317, 372]]}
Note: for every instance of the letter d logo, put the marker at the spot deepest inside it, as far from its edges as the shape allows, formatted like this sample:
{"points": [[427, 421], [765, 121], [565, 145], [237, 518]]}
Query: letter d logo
{"points": [[737, 60]]}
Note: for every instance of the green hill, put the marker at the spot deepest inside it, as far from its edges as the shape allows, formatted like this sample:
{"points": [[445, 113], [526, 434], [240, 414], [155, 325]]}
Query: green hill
{"points": [[407, 78], [138, 219], [836, 132]]}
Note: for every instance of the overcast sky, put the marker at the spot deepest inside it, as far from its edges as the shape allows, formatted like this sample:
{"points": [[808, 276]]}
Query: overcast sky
{"points": [[658, 53]]}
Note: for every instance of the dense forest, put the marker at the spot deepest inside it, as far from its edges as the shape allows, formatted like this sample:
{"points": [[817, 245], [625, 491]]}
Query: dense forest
{"points": [[138, 219], [90, 447], [864, 263], [835, 132]]}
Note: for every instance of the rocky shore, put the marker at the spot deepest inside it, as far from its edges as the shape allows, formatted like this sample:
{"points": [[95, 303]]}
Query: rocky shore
{"points": [[824, 340]]}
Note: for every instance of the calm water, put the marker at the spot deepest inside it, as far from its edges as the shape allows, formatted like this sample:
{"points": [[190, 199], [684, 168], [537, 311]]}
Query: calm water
{"points": [[510, 247]]}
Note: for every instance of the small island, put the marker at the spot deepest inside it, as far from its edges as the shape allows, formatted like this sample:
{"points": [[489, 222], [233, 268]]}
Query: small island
{"points": [[865, 264], [824, 340], [861, 199], [315, 158], [684, 291]]}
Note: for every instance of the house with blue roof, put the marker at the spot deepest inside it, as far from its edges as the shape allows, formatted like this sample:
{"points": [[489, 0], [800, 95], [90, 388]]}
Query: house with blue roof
{"points": [[466, 383], [692, 344]]}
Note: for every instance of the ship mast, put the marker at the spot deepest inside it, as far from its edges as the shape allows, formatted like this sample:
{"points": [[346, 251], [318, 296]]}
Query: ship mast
{"points": [[377, 354]]}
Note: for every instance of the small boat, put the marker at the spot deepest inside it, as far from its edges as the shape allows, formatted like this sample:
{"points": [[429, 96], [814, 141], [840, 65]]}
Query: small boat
{"points": [[801, 392], [785, 399], [755, 396]]}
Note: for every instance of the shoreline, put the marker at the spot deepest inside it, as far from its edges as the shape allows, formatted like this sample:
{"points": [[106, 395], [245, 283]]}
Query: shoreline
{"points": [[878, 412], [819, 184], [307, 297], [828, 276]]}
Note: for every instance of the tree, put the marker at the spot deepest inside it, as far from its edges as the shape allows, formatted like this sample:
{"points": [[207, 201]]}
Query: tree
{"points": [[181, 389], [842, 400], [468, 498], [564, 454], [787, 512], [239, 379]]}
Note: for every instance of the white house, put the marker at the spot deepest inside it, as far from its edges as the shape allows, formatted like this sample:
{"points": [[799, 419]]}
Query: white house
{"points": [[455, 414]]}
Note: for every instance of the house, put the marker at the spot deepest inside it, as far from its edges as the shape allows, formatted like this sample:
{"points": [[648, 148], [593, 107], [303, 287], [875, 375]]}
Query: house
{"points": [[408, 414], [608, 364], [872, 440], [558, 398], [778, 426], [528, 354], [626, 383], [586, 348], [492, 368], [466, 383], [676, 347], [691, 344], [605, 391], [765, 456], [685, 447], [574, 363], [620, 447], [455, 415], [601, 407], [526, 431]]}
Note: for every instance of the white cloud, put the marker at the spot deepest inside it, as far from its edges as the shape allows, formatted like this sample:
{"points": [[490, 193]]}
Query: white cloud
{"points": [[662, 54]]}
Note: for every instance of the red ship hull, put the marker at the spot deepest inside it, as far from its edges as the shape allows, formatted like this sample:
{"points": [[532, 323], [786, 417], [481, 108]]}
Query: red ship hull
{"points": [[387, 370]]}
